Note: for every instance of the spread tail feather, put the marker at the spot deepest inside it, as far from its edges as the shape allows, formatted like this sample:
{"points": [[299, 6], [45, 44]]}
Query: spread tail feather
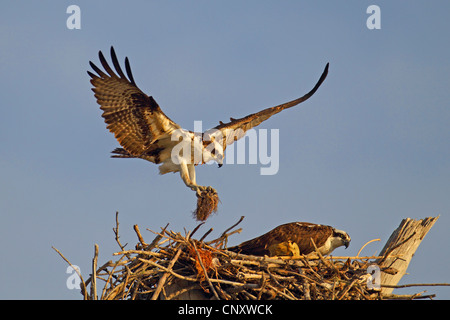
{"points": [[121, 153]]}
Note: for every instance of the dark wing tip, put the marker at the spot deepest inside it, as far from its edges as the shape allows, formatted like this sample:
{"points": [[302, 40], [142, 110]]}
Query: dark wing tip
{"points": [[108, 69], [128, 69], [100, 55], [324, 74], [106, 65], [119, 70], [116, 63], [318, 84], [91, 74], [97, 69]]}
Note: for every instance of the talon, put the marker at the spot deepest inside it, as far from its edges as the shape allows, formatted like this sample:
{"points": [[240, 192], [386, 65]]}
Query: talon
{"points": [[198, 190]]}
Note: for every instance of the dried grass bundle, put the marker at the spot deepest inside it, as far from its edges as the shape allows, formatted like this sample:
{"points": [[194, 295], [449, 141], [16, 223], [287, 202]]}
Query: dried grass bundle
{"points": [[207, 203]]}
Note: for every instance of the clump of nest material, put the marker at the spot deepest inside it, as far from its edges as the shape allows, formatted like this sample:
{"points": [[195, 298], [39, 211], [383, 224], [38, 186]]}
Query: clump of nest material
{"points": [[207, 201], [177, 266]]}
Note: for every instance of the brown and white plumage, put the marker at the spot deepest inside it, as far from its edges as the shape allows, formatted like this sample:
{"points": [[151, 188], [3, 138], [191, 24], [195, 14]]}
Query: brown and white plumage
{"points": [[236, 128], [135, 119], [144, 131], [326, 238]]}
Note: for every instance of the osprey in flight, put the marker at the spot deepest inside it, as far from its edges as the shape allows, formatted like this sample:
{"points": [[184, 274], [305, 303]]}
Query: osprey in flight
{"points": [[293, 239], [144, 131]]}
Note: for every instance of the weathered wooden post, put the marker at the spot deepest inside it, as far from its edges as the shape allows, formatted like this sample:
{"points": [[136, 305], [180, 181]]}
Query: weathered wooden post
{"points": [[400, 248]]}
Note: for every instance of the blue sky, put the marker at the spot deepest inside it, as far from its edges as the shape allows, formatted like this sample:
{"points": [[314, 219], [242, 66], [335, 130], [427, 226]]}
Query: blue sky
{"points": [[370, 148]]}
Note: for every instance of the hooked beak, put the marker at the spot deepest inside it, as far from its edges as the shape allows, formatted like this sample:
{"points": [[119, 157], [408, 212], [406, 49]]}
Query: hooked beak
{"points": [[220, 165], [346, 243]]}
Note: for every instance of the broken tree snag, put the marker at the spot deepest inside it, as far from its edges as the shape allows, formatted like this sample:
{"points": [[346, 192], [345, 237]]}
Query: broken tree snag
{"points": [[400, 248]]}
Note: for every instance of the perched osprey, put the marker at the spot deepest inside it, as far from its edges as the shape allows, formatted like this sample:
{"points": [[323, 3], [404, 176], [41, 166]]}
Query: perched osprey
{"points": [[292, 239], [144, 131]]}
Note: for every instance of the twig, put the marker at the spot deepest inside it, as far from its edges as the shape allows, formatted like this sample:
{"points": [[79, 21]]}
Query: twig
{"points": [[234, 225], [392, 296], [110, 277], [196, 228], [416, 285], [94, 274], [327, 263], [162, 280], [139, 235], [126, 282], [206, 234], [116, 232], [83, 284], [349, 286], [142, 252], [164, 277], [204, 271], [281, 293], [156, 240], [224, 234], [366, 245]]}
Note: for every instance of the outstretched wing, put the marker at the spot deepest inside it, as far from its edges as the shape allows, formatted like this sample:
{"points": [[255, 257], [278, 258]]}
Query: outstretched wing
{"points": [[236, 128], [133, 117]]}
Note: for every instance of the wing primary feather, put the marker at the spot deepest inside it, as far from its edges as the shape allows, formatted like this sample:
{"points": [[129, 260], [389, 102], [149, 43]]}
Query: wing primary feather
{"points": [[93, 76], [116, 63], [309, 94], [106, 65], [129, 73], [97, 69], [133, 117], [319, 83], [255, 119]]}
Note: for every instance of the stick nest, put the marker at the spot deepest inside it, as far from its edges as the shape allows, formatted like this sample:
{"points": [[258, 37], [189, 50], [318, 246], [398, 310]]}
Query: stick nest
{"points": [[176, 266]]}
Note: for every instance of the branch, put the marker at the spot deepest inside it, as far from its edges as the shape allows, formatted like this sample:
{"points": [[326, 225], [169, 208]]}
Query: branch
{"points": [[94, 274], [416, 285], [366, 245], [116, 232], [83, 284]]}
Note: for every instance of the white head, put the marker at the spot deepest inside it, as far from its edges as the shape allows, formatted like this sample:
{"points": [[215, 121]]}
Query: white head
{"points": [[213, 147], [339, 238]]}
